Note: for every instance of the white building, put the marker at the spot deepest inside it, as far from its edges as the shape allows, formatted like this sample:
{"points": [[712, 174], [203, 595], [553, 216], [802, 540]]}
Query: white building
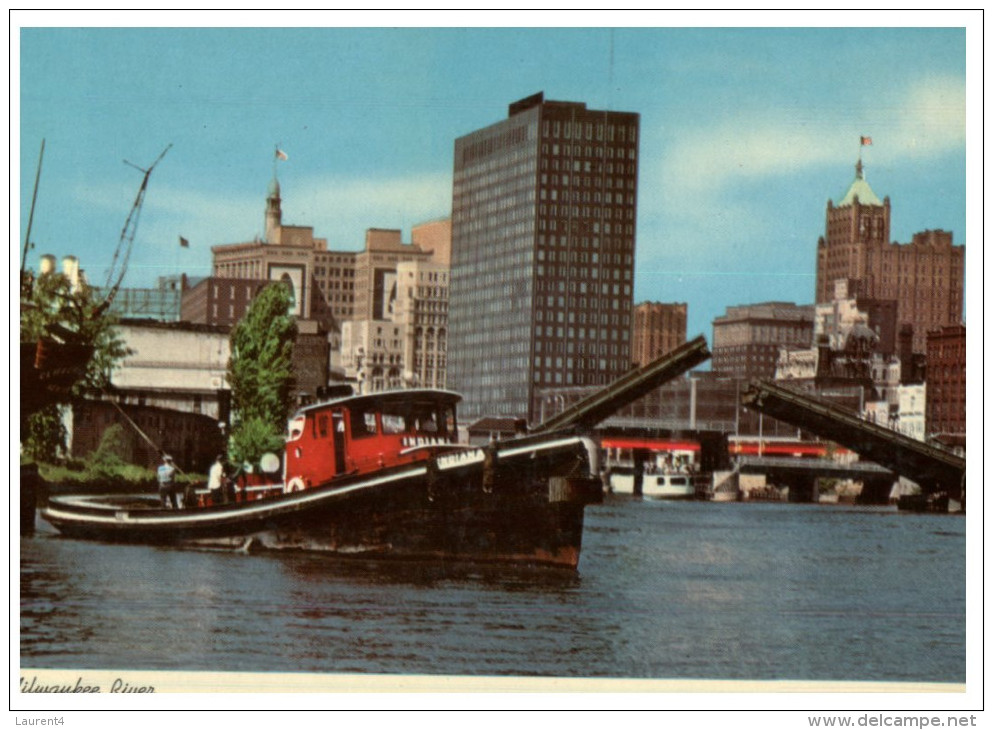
{"points": [[402, 339], [422, 312], [911, 412], [837, 318], [174, 365], [372, 354]]}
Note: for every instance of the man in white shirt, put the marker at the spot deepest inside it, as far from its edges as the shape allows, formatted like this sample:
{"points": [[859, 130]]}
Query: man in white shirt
{"points": [[215, 480]]}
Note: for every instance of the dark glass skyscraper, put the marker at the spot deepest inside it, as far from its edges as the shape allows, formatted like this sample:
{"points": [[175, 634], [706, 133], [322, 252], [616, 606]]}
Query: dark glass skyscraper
{"points": [[543, 239]]}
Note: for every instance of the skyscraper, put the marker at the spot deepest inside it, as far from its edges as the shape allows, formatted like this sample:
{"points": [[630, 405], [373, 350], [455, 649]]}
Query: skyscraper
{"points": [[543, 238], [924, 277]]}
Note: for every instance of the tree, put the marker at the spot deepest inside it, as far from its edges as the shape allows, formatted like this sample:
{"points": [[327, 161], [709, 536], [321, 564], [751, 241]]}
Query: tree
{"points": [[71, 327], [44, 437], [54, 310], [252, 438], [260, 373]]}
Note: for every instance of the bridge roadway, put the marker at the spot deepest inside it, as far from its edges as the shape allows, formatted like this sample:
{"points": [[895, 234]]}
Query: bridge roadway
{"points": [[601, 404], [934, 469], [801, 475], [814, 467]]}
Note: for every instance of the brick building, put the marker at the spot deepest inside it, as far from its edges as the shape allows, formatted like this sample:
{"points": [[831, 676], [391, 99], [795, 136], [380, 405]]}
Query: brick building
{"points": [[747, 338], [924, 277], [219, 301], [658, 328], [945, 416]]}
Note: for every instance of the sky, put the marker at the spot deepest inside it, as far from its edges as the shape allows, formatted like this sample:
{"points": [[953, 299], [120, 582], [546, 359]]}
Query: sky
{"points": [[746, 132]]}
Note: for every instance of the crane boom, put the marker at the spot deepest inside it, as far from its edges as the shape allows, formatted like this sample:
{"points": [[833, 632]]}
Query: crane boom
{"points": [[122, 254]]}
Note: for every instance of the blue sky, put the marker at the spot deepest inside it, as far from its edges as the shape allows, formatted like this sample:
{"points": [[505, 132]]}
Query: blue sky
{"points": [[746, 133]]}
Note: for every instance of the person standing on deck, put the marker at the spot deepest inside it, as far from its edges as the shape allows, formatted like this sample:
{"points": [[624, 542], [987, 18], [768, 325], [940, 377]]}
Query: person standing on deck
{"points": [[167, 482], [215, 480]]}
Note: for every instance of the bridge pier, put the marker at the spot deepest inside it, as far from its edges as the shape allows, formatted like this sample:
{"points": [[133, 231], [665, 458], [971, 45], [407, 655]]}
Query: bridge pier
{"points": [[875, 490], [640, 456], [802, 487], [713, 451], [30, 486]]}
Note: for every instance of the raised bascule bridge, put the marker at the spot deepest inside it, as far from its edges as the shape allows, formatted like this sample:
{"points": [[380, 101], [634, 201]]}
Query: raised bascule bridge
{"points": [[938, 471], [600, 405]]}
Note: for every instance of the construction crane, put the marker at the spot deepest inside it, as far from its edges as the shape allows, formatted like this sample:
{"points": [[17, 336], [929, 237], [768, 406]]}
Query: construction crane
{"points": [[119, 263]]}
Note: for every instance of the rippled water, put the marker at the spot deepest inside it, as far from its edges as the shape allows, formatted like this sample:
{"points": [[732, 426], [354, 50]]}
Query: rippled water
{"points": [[664, 590]]}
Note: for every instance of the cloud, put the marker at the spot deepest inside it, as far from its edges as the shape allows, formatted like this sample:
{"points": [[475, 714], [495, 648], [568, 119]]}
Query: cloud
{"points": [[338, 208], [341, 208], [931, 119], [924, 120]]}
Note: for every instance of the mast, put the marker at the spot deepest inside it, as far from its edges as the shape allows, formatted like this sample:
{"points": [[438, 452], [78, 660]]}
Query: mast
{"points": [[34, 198]]}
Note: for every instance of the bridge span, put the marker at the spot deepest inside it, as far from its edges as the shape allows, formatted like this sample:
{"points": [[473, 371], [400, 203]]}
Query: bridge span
{"points": [[801, 475], [935, 469], [813, 467]]}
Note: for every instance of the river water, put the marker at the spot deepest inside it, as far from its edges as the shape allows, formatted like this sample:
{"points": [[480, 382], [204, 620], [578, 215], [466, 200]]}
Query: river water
{"points": [[664, 590]]}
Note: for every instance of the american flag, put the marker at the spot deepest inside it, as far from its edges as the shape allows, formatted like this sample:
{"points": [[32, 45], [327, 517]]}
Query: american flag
{"points": [[866, 141]]}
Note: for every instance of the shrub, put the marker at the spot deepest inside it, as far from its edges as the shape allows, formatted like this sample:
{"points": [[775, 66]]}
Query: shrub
{"points": [[251, 439], [46, 434], [112, 451]]}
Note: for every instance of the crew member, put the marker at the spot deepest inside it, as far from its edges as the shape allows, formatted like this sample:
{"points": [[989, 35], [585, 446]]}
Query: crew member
{"points": [[215, 481], [167, 482]]}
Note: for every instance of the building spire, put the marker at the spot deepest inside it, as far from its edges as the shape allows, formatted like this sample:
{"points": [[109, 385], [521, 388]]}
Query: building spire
{"points": [[274, 210], [859, 189], [863, 142]]}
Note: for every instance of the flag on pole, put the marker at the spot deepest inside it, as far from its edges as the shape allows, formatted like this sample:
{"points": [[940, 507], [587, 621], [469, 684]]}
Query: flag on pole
{"points": [[280, 155], [866, 141], [183, 242]]}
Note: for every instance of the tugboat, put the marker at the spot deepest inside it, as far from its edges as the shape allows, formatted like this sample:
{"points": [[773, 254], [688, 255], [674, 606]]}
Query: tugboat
{"points": [[375, 475], [382, 475]]}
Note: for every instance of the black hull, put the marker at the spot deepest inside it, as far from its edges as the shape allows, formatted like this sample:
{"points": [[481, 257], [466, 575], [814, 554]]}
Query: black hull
{"points": [[923, 502], [523, 511]]}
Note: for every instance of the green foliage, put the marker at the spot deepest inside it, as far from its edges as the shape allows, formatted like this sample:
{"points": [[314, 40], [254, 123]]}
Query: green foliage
{"points": [[51, 309], [828, 485], [112, 452], [260, 369], [52, 312], [106, 470], [124, 478], [252, 438], [46, 435]]}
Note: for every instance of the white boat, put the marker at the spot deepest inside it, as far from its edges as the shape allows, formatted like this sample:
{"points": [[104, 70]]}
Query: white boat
{"points": [[656, 486]]}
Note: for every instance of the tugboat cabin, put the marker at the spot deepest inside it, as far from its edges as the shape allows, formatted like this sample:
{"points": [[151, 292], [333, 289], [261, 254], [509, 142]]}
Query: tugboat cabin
{"points": [[367, 433]]}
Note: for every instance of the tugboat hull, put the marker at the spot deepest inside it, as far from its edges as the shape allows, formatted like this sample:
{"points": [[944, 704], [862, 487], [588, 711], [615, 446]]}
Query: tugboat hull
{"points": [[516, 508]]}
